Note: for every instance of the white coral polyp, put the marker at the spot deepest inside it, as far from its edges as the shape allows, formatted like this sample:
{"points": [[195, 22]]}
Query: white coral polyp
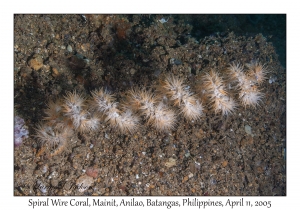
{"points": [[251, 98]]}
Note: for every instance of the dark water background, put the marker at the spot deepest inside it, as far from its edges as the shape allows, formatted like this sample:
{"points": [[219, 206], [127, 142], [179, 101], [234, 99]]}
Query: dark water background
{"points": [[271, 26]]}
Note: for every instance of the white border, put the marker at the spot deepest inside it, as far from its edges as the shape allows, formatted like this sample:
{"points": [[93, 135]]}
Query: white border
{"points": [[154, 6]]}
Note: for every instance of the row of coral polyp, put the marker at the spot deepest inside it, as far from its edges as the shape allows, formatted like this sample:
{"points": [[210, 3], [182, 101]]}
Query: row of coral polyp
{"points": [[157, 107]]}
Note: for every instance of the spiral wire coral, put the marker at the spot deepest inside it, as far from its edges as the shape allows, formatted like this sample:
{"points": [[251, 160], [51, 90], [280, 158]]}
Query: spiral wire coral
{"points": [[76, 113]]}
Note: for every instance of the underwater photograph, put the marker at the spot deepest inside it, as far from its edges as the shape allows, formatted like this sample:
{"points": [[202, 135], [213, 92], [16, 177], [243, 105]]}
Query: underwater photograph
{"points": [[149, 104]]}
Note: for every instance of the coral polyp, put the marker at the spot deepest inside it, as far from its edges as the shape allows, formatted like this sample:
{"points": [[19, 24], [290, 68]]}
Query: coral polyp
{"points": [[191, 107], [125, 120], [250, 97], [87, 121], [73, 104], [174, 88], [52, 136], [103, 100], [143, 101], [163, 118], [257, 72], [54, 114]]}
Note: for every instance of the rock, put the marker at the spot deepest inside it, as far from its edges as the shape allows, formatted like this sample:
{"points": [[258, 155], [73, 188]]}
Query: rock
{"points": [[185, 179], [174, 61], [85, 47], [55, 72], [132, 71], [36, 63], [92, 172], [170, 163], [248, 129], [69, 48]]}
